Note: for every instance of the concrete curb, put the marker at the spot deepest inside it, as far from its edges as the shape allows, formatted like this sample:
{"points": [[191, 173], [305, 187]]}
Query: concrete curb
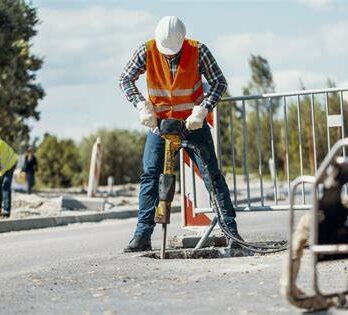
{"points": [[46, 222]]}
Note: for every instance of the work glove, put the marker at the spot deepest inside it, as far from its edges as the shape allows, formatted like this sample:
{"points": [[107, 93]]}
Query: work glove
{"points": [[147, 114], [195, 120]]}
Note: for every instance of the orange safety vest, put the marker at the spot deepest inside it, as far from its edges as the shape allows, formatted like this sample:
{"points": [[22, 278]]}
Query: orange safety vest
{"points": [[174, 97]]}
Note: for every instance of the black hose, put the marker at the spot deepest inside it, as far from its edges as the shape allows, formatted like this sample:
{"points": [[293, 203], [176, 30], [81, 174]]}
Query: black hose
{"points": [[218, 212]]}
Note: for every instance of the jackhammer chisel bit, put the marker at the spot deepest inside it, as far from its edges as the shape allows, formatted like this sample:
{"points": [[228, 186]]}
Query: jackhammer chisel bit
{"points": [[164, 240]]}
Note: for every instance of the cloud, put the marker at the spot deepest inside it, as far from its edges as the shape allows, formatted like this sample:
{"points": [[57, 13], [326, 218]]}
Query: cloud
{"points": [[77, 110], [89, 43], [316, 4], [286, 80], [289, 80], [235, 49], [236, 84], [86, 49], [344, 84], [73, 31], [309, 57], [234, 52], [84, 53], [335, 38]]}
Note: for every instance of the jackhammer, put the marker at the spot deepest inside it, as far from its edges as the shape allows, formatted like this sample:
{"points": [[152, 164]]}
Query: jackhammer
{"points": [[175, 134], [172, 131]]}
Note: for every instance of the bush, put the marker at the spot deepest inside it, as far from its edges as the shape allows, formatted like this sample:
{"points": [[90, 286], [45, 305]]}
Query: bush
{"points": [[121, 155], [64, 164], [59, 163]]}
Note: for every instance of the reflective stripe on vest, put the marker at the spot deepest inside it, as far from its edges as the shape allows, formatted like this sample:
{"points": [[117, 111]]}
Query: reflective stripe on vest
{"points": [[162, 108], [185, 92], [178, 92], [159, 92], [176, 108]]}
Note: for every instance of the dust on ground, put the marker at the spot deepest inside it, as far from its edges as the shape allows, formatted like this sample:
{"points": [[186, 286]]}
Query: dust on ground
{"points": [[48, 202]]}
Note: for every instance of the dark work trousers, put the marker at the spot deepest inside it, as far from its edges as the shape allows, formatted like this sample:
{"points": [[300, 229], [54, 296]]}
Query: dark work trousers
{"points": [[30, 180], [5, 190], [153, 159]]}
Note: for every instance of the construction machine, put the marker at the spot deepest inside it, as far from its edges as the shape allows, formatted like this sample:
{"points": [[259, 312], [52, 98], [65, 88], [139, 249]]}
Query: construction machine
{"points": [[323, 231]]}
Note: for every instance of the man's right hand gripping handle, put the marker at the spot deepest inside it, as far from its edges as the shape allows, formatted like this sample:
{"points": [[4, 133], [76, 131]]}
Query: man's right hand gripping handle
{"points": [[147, 115]]}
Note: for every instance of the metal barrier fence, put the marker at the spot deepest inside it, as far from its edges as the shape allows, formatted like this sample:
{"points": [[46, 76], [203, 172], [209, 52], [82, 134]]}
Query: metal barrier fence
{"points": [[265, 141]]}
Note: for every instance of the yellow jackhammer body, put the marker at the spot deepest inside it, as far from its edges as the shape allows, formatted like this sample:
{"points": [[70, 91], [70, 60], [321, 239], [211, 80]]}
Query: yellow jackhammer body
{"points": [[171, 132]]}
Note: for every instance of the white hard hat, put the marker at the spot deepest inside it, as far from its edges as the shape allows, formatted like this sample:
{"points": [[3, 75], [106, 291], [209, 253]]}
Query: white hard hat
{"points": [[169, 35]]}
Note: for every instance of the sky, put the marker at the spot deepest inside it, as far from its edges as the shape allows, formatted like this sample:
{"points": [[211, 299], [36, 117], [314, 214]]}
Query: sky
{"points": [[86, 44]]}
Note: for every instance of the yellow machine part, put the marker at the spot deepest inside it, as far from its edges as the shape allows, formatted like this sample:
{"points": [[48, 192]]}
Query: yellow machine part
{"points": [[172, 145]]}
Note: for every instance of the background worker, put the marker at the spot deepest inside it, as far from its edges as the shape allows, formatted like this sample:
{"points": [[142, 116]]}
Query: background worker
{"points": [[174, 67], [8, 161], [30, 168]]}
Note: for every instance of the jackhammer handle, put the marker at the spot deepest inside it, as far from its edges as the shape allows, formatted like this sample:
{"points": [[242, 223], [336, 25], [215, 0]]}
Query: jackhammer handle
{"points": [[173, 126]]}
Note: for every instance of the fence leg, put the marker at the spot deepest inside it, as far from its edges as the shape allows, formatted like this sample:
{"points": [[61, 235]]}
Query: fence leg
{"points": [[206, 234]]}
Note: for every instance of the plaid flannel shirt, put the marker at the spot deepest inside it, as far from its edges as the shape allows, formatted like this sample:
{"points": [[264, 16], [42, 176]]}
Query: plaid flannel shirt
{"points": [[207, 67]]}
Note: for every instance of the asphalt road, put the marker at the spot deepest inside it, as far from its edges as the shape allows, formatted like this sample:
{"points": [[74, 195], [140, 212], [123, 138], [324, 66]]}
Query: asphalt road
{"points": [[80, 269]]}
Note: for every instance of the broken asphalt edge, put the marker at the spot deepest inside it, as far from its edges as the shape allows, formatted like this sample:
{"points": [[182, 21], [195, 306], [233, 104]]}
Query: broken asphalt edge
{"points": [[10, 225]]}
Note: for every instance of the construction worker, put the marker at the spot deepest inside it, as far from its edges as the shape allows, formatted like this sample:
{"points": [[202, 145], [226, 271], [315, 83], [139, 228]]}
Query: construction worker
{"points": [[174, 67], [8, 161], [30, 168]]}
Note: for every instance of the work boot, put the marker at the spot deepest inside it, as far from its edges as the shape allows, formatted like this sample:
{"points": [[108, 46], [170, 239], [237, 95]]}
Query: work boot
{"points": [[232, 242], [138, 244], [5, 214]]}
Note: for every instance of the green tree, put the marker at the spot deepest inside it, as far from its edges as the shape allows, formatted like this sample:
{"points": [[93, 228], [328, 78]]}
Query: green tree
{"points": [[305, 111], [229, 118], [259, 115], [59, 162], [260, 138], [19, 92], [261, 80]]}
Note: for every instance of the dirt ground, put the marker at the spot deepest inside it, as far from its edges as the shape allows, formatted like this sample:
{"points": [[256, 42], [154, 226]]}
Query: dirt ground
{"points": [[48, 202]]}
